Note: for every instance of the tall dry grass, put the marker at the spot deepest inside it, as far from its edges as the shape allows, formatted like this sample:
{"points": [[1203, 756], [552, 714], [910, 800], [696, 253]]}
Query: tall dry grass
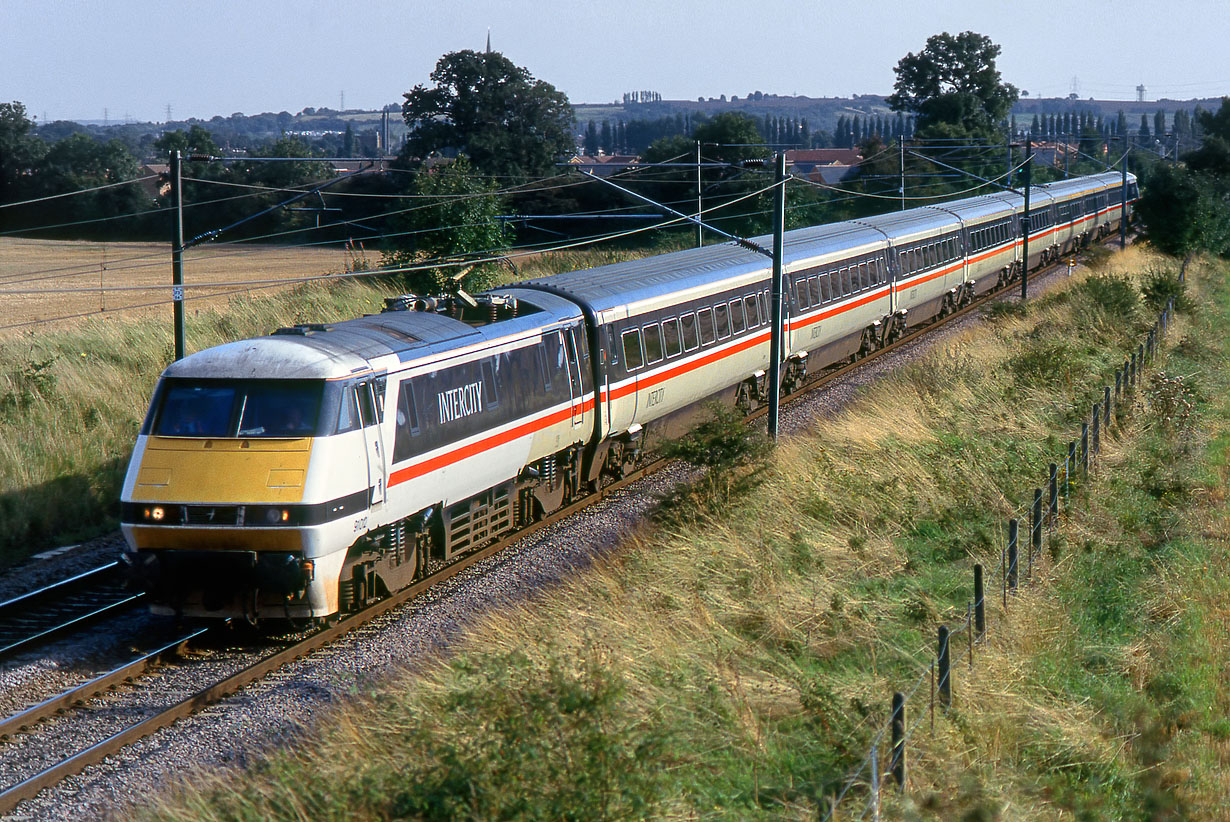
{"points": [[735, 664]]}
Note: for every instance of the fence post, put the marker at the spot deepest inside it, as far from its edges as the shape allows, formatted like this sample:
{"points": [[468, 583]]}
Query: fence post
{"points": [[1052, 508], [1085, 448], [1035, 531], [1132, 375], [1013, 530], [1096, 433], [1119, 387], [980, 604], [1106, 409], [944, 683], [1140, 358], [1069, 465], [897, 723]]}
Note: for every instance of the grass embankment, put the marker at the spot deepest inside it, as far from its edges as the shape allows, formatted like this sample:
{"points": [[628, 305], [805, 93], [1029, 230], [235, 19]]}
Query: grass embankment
{"points": [[734, 662], [71, 399]]}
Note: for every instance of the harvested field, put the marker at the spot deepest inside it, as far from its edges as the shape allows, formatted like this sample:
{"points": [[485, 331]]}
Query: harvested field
{"points": [[59, 281]]}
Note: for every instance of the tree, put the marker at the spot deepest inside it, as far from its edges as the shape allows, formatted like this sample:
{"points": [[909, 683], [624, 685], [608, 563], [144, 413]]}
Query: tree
{"points": [[20, 150], [1186, 210], [953, 86], [460, 223], [494, 112]]}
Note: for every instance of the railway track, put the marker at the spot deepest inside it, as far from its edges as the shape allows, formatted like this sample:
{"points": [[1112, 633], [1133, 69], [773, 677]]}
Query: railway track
{"points": [[28, 720], [34, 618]]}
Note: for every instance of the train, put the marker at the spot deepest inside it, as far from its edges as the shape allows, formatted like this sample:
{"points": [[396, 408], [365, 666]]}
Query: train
{"points": [[306, 473]]}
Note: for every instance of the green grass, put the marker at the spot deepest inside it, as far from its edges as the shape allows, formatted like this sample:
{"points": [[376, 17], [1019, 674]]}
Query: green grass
{"points": [[734, 660]]}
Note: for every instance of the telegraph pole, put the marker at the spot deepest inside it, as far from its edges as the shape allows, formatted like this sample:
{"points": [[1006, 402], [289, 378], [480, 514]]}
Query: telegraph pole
{"points": [[1029, 163], [699, 228], [1127, 152], [775, 338], [177, 253], [902, 146]]}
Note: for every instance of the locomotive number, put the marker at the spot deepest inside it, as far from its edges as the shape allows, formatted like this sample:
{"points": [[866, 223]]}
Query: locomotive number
{"points": [[655, 397], [360, 524], [815, 331]]}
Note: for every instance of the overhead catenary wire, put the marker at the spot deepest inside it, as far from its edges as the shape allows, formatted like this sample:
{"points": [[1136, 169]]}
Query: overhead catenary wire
{"points": [[134, 181]]}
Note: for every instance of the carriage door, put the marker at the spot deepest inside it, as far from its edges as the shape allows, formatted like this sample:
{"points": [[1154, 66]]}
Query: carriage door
{"points": [[371, 413], [574, 376]]}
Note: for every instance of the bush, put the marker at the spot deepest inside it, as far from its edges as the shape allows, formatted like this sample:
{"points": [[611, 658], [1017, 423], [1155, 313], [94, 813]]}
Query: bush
{"points": [[1162, 285], [1114, 294]]}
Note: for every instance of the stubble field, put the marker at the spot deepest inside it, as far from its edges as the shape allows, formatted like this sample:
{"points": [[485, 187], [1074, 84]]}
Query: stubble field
{"points": [[46, 282]]}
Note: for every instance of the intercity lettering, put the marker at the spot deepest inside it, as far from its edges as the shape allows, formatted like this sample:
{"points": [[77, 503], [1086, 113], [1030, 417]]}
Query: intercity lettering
{"points": [[461, 402]]}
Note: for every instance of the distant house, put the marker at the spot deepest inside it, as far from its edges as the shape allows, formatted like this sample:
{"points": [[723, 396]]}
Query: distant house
{"points": [[603, 165], [160, 185], [1052, 154], [824, 165]]}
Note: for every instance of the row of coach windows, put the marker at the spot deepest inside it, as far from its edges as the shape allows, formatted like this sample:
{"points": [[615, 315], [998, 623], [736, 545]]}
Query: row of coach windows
{"points": [[819, 289], [1041, 219], [658, 341], [990, 235], [928, 255]]}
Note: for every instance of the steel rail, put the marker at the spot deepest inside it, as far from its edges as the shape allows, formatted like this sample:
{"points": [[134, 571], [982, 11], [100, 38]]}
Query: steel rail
{"points": [[87, 690], [29, 788], [28, 619]]}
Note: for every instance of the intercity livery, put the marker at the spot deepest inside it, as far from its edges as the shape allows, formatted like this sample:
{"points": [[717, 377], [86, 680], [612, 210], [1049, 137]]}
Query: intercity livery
{"points": [[308, 472]]}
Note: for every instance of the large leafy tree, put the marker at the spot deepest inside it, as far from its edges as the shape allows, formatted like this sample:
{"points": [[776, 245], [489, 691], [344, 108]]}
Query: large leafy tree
{"points": [[953, 87], [20, 151], [454, 224], [494, 112], [1186, 210]]}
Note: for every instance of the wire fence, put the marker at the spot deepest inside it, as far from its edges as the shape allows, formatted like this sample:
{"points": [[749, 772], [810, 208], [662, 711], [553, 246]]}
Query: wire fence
{"points": [[1021, 556]]}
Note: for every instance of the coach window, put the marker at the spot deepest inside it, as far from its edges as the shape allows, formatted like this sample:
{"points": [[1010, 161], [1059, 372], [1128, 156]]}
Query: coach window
{"points": [[800, 288], [721, 318], [653, 343], [764, 305], [633, 358], [407, 422], [691, 340], [705, 318], [847, 286], [490, 396], [737, 323], [753, 311], [826, 290], [670, 338], [814, 285]]}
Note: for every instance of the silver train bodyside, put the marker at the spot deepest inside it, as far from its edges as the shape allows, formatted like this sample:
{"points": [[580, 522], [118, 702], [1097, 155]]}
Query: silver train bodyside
{"points": [[434, 428]]}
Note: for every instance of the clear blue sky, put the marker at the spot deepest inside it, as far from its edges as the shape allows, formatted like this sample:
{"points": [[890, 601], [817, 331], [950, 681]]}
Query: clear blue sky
{"points": [[71, 59]]}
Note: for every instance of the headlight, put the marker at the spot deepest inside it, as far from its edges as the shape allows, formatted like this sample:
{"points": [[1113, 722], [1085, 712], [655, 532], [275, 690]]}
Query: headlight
{"points": [[156, 513]]}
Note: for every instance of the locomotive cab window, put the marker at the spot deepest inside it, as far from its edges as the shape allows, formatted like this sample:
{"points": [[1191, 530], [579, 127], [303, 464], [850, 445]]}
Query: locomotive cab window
{"points": [[240, 408], [633, 358]]}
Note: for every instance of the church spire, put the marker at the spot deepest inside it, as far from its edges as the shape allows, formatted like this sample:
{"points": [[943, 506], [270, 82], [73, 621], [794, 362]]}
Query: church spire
{"points": [[488, 40]]}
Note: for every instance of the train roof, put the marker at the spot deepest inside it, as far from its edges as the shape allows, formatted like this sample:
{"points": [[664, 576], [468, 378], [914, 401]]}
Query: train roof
{"points": [[332, 351], [634, 281]]}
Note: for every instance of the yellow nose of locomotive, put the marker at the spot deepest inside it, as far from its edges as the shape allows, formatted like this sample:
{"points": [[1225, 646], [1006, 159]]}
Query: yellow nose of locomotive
{"points": [[213, 483]]}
